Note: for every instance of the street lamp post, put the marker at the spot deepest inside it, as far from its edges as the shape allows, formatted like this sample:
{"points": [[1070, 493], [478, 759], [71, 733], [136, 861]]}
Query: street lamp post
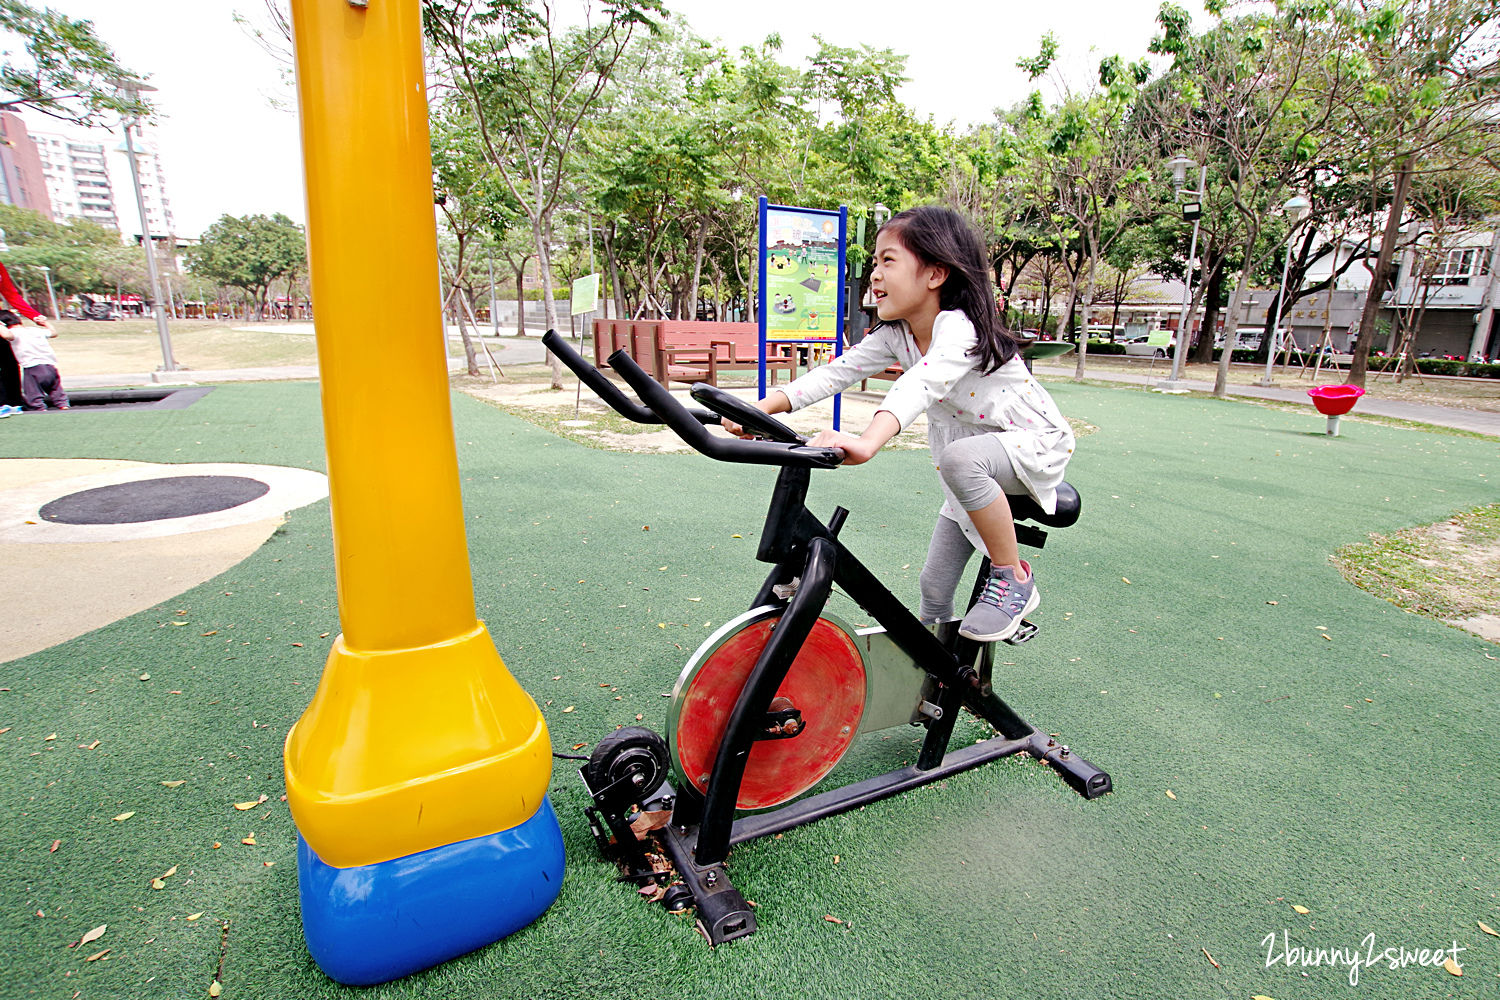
{"points": [[1192, 208], [51, 296], [1296, 209], [133, 89]]}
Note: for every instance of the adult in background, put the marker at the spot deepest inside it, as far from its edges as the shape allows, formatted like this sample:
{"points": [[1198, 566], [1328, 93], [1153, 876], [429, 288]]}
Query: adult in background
{"points": [[10, 368]]}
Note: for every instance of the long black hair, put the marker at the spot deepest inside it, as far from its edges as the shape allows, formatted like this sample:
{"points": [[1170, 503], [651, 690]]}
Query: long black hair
{"points": [[939, 236]]}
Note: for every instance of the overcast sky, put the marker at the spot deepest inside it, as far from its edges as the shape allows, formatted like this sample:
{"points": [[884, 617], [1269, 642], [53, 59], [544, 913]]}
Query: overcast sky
{"points": [[226, 149]]}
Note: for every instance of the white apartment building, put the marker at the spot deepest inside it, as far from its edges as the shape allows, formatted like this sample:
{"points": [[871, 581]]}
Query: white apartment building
{"points": [[88, 177], [78, 178]]}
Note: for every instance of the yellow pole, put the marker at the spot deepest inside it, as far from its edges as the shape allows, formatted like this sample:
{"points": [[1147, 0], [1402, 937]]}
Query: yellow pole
{"points": [[417, 736]]}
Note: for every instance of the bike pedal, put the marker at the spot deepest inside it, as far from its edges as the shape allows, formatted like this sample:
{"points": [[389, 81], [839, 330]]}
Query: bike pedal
{"points": [[1024, 633]]}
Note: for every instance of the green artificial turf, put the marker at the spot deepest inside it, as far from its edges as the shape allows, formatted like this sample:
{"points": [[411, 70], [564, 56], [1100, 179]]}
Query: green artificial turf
{"points": [[1325, 749]]}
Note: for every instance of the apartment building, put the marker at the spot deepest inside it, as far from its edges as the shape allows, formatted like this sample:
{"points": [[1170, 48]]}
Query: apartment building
{"points": [[87, 175], [77, 177], [22, 181]]}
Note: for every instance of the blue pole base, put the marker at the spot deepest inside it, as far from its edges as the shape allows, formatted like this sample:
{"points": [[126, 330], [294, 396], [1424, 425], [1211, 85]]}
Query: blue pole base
{"points": [[374, 923]]}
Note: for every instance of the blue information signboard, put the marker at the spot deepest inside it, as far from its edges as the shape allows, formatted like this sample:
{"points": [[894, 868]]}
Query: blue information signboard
{"points": [[802, 262]]}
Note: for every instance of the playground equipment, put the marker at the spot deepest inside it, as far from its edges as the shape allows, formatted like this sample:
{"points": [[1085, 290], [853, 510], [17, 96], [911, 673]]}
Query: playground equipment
{"points": [[418, 775], [1333, 401], [770, 702]]}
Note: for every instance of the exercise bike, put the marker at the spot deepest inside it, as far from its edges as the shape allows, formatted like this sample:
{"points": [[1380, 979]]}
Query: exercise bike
{"points": [[769, 704]]}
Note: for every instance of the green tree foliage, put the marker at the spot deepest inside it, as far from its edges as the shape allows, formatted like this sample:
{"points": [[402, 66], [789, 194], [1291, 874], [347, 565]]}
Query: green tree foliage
{"points": [[83, 256], [250, 252], [67, 71], [528, 84]]}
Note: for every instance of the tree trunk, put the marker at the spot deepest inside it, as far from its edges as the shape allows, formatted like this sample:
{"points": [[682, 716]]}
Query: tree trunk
{"points": [[697, 268], [1231, 323], [1088, 305], [544, 260], [1214, 291], [1360, 349]]}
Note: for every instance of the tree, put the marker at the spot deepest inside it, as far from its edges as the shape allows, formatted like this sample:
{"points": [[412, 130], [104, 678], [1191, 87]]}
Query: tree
{"points": [[1245, 105], [68, 72], [1093, 166], [1427, 84], [250, 252], [83, 256], [529, 87]]}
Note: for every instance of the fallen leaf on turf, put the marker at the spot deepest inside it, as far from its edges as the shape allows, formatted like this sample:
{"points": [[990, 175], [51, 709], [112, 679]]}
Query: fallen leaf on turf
{"points": [[568, 709], [248, 840], [217, 845], [579, 746], [49, 738], [174, 784], [1126, 579], [98, 955], [214, 989], [89, 746], [206, 634], [1261, 996], [242, 806], [1488, 929], [123, 817], [832, 919], [1453, 968], [194, 916], [57, 843], [1170, 795], [169, 872], [145, 677], [1301, 909], [296, 644], [93, 935], [157, 883]]}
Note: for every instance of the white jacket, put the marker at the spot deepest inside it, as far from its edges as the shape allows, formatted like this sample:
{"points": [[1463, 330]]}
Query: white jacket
{"points": [[958, 400]]}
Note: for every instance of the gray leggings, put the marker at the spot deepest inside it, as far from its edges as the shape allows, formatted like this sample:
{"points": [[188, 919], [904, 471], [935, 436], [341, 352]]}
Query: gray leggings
{"points": [[977, 471]]}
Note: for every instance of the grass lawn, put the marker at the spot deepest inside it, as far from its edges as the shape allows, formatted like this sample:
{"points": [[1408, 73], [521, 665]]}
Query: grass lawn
{"points": [[133, 345], [1294, 759], [1463, 393]]}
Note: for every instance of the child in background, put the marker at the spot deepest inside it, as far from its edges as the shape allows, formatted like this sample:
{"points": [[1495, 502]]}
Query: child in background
{"points": [[992, 428], [40, 383]]}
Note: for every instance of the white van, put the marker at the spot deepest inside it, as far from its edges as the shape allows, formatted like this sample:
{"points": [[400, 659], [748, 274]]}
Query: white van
{"points": [[1246, 338]]}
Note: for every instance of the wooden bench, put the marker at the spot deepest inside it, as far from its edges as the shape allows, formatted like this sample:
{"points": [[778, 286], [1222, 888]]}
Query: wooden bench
{"points": [[688, 350], [699, 354]]}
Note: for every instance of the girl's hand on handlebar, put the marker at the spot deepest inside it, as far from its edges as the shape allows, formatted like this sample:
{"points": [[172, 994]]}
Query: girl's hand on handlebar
{"points": [[734, 428], [857, 450]]}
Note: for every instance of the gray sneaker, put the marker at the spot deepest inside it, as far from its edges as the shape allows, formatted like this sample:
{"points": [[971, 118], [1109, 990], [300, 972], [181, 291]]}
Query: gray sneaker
{"points": [[1001, 606]]}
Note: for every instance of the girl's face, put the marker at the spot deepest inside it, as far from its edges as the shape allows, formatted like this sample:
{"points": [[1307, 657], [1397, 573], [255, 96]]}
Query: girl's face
{"points": [[904, 287]]}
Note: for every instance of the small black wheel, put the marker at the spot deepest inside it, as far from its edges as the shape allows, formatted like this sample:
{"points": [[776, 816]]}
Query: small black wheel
{"points": [[632, 762]]}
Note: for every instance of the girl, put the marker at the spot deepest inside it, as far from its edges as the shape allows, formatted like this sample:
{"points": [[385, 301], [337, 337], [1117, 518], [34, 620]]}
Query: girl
{"points": [[991, 427]]}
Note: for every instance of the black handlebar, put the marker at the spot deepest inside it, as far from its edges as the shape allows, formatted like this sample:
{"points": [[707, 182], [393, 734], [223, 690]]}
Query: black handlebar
{"points": [[605, 389], [744, 414], [662, 407]]}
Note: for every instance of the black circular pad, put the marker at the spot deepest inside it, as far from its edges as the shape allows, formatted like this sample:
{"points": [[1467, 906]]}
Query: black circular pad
{"points": [[154, 500]]}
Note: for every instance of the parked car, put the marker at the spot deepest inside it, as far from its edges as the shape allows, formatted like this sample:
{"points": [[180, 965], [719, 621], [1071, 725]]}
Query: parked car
{"points": [[1151, 345]]}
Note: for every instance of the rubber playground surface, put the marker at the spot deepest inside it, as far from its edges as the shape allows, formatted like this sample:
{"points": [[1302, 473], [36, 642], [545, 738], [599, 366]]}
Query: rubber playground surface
{"points": [[1304, 775]]}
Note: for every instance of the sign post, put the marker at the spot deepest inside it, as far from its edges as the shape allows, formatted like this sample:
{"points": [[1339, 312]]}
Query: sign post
{"points": [[802, 264]]}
